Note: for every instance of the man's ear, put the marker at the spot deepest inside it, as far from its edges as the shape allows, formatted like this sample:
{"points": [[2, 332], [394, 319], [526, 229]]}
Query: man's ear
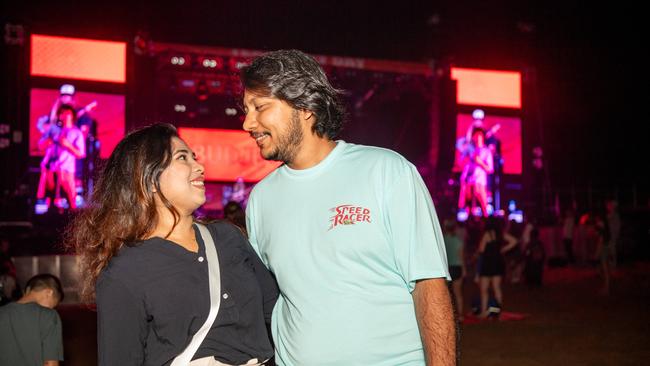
{"points": [[49, 292], [307, 115]]}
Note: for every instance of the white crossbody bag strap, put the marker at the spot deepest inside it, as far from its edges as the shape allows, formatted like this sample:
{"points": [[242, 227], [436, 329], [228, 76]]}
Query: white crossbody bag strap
{"points": [[215, 299]]}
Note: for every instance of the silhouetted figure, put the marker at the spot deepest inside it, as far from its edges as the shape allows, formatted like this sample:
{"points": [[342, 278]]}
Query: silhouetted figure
{"points": [[30, 328]]}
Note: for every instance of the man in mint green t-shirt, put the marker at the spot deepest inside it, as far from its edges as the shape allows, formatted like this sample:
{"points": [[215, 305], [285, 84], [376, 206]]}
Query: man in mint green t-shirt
{"points": [[349, 231]]}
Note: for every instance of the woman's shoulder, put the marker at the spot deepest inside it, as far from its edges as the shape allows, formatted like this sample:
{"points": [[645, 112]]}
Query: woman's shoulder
{"points": [[129, 259], [229, 237], [224, 229]]}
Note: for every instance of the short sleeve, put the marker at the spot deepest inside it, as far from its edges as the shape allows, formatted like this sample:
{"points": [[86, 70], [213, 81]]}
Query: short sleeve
{"points": [[52, 340], [415, 230], [121, 324], [251, 226]]}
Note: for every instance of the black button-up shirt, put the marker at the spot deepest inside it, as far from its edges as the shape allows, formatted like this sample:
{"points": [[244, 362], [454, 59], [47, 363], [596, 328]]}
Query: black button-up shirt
{"points": [[155, 295]]}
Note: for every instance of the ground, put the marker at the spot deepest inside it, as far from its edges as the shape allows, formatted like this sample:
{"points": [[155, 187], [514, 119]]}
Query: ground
{"points": [[569, 323]]}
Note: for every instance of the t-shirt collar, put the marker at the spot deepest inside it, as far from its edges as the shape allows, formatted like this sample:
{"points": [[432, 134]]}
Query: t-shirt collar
{"points": [[318, 168]]}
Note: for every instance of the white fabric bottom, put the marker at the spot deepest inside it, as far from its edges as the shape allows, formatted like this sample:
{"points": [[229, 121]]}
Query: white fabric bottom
{"points": [[211, 361]]}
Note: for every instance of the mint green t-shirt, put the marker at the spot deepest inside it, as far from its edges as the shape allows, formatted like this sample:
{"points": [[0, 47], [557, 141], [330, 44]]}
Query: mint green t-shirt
{"points": [[347, 239]]}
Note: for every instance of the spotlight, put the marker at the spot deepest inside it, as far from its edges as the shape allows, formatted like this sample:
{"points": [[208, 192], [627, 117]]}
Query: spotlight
{"points": [[41, 208], [512, 205], [180, 108], [489, 209], [478, 114], [236, 64], [462, 216], [178, 60], [142, 44], [231, 111], [209, 63]]}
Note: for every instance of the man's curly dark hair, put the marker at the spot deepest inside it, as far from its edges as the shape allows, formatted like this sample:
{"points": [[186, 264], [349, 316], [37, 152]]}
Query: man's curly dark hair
{"points": [[297, 79]]}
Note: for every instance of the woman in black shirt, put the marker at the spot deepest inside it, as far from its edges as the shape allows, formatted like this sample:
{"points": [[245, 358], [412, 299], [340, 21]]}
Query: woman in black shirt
{"points": [[144, 261]]}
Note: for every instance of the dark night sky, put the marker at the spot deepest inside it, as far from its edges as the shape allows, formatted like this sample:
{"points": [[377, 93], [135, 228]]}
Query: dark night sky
{"points": [[588, 58]]}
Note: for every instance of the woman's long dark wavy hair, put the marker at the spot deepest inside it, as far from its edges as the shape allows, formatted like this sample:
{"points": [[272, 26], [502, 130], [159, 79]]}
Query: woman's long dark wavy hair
{"points": [[122, 209]]}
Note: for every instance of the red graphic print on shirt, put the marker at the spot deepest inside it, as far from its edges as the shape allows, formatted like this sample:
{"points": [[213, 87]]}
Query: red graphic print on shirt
{"points": [[348, 215]]}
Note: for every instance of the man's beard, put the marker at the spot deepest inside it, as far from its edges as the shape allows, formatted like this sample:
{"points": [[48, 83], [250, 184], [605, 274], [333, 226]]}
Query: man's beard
{"points": [[287, 144]]}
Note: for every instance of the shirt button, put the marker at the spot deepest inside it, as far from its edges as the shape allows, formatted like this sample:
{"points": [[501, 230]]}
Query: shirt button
{"points": [[225, 296], [201, 259]]}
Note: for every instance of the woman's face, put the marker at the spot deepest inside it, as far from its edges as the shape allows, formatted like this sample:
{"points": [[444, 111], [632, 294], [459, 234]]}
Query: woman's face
{"points": [[182, 182], [479, 139]]}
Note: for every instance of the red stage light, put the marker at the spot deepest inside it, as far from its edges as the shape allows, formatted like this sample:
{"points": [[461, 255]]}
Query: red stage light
{"points": [[227, 154], [490, 88], [74, 58]]}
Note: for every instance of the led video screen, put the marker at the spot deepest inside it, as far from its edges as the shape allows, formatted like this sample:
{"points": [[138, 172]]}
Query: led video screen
{"points": [[81, 59], [108, 114], [227, 154], [488, 88], [505, 131]]}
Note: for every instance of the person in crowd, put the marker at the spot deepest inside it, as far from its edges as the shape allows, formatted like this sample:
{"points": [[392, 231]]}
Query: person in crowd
{"points": [[235, 214], [455, 248], [494, 243], [349, 231], [535, 258], [603, 251], [7, 272], [169, 289], [30, 328], [568, 224], [614, 226]]}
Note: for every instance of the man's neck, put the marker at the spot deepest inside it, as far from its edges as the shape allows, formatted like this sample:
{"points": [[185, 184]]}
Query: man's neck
{"points": [[314, 149], [26, 299], [33, 297]]}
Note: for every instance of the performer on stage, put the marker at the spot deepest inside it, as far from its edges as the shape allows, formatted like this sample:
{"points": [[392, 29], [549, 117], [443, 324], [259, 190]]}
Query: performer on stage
{"points": [[494, 180], [67, 97], [478, 163], [63, 143]]}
